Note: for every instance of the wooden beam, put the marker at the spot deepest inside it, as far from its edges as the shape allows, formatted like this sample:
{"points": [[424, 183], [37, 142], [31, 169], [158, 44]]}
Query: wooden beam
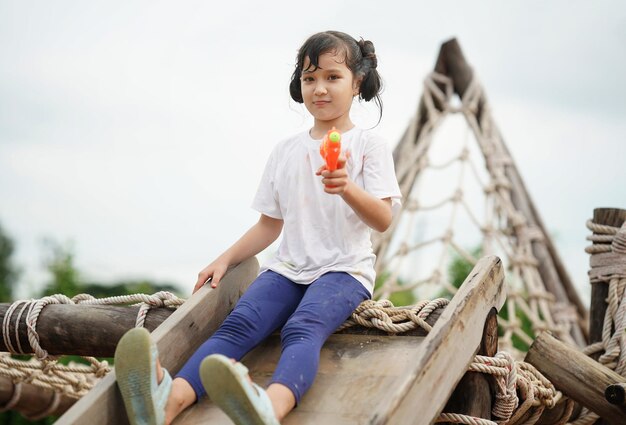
{"points": [[83, 330], [576, 375], [94, 330], [600, 290], [33, 402], [177, 338], [445, 354], [473, 396]]}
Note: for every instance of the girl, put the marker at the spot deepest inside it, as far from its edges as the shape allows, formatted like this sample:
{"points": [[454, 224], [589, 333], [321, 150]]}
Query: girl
{"points": [[324, 267]]}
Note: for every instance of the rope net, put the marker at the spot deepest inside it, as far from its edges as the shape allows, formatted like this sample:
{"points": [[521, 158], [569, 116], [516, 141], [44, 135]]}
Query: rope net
{"points": [[461, 202]]}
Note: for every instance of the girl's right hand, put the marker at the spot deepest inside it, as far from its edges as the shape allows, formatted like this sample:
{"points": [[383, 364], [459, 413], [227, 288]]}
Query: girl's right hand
{"points": [[214, 271]]}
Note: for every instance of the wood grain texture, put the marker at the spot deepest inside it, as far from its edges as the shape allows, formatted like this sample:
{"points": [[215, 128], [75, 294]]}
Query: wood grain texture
{"points": [[82, 330], [33, 400], [576, 375], [354, 371], [600, 290], [177, 338], [446, 352]]}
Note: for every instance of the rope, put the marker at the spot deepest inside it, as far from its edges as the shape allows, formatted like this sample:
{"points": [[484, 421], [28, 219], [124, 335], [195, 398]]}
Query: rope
{"points": [[384, 316], [511, 376], [608, 266], [45, 371], [160, 299]]}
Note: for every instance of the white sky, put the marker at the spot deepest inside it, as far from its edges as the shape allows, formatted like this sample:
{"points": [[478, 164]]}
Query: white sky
{"points": [[139, 129]]}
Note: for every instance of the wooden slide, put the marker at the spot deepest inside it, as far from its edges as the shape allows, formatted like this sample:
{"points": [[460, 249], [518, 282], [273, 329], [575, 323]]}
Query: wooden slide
{"points": [[362, 379]]}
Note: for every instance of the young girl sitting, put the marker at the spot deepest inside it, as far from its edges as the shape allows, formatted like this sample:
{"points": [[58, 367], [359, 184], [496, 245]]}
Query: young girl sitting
{"points": [[324, 266]]}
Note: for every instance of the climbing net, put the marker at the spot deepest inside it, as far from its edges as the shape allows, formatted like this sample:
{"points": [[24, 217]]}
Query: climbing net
{"points": [[45, 371], [463, 200]]}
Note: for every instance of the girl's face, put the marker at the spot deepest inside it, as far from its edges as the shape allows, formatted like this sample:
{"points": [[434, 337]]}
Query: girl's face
{"points": [[328, 91]]}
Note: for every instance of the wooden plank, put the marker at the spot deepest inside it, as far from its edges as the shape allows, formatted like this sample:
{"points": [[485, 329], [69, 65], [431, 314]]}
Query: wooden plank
{"points": [[472, 396], [353, 371], [576, 375], [177, 338], [445, 354], [69, 328]]}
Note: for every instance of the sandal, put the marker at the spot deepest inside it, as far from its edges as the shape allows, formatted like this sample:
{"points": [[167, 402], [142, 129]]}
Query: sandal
{"points": [[135, 369], [229, 386]]}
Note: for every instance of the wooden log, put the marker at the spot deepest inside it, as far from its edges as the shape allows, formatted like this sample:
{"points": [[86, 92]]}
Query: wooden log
{"points": [[444, 356], [576, 375], [177, 338], [33, 402], [67, 329], [84, 330], [616, 394], [600, 290], [554, 415], [489, 342]]}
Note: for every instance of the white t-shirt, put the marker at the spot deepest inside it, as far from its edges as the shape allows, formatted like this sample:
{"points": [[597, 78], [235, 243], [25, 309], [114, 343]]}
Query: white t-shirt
{"points": [[321, 232]]}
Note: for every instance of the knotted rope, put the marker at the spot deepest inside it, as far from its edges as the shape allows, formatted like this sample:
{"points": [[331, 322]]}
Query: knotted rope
{"points": [[512, 378], [384, 316], [608, 266], [35, 306], [44, 371]]}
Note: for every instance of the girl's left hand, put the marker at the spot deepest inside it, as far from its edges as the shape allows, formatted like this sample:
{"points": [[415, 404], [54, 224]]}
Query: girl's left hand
{"points": [[336, 182]]}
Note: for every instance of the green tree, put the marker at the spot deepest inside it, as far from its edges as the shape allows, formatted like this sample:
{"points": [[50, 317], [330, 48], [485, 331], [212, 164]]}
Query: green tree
{"points": [[398, 298], [8, 271], [59, 262], [127, 287], [8, 278], [460, 268]]}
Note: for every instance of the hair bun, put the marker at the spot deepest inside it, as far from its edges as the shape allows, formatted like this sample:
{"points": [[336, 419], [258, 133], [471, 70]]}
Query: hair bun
{"points": [[368, 52]]}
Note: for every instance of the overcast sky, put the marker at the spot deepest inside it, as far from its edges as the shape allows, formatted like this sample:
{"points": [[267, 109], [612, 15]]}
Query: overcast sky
{"points": [[138, 130]]}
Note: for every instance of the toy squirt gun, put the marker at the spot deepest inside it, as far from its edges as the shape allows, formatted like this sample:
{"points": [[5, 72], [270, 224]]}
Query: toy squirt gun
{"points": [[330, 149]]}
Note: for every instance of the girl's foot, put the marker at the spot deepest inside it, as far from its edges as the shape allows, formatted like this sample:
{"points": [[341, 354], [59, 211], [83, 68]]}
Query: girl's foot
{"points": [[228, 385], [144, 385]]}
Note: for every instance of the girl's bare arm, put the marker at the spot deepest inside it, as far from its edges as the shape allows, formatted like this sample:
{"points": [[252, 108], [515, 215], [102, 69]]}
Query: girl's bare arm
{"points": [[374, 212], [255, 240]]}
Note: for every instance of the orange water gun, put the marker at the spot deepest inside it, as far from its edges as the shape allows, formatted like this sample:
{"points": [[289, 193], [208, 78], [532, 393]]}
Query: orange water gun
{"points": [[331, 148]]}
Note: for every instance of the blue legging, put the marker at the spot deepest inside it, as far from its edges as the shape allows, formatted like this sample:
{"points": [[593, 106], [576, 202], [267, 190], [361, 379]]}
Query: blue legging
{"points": [[308, 314]]}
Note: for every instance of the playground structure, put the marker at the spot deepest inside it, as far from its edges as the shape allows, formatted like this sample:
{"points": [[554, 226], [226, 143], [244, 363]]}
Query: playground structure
{"points": [[369, 373]]}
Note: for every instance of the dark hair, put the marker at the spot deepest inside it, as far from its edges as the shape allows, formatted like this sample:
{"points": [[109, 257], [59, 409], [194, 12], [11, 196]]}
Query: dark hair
{"points": [[360, 58]]}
